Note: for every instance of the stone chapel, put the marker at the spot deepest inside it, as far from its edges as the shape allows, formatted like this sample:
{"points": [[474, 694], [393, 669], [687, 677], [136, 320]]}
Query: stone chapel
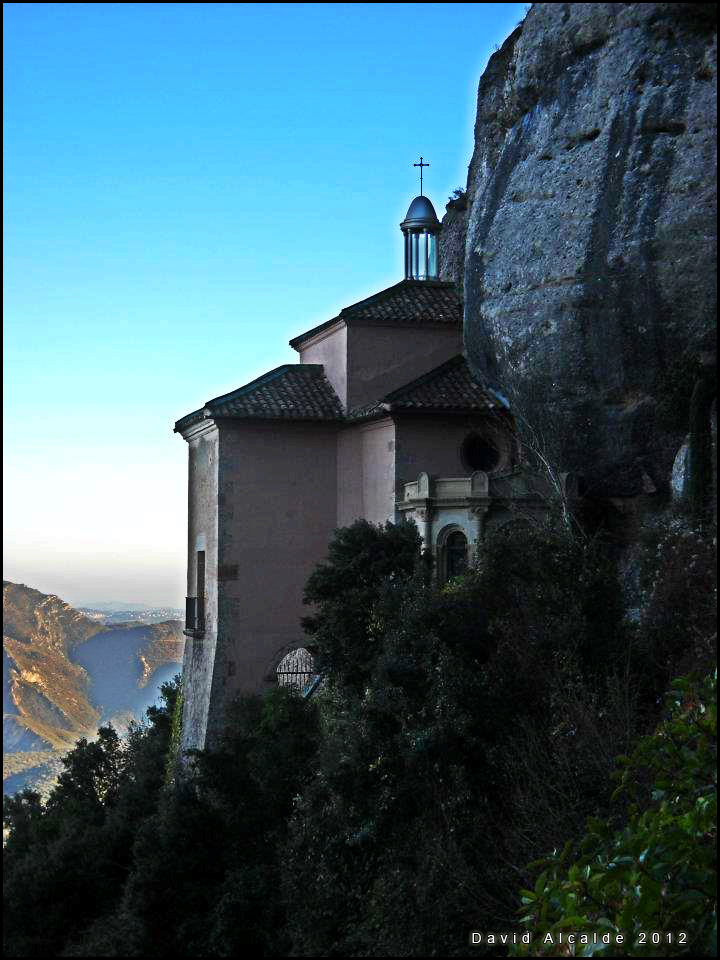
{"points": [[380, 419]]}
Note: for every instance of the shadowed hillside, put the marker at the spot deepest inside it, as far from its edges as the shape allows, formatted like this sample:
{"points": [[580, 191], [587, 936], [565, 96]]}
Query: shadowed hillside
{"points": [[64, 674]]}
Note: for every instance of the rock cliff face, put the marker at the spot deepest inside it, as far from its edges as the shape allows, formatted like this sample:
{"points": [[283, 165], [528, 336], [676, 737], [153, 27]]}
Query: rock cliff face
{"points": [[590, 254], [452, 241]]}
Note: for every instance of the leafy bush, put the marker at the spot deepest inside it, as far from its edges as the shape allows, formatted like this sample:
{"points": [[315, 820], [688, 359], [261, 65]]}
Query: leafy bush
{"points": [[657, 870]]}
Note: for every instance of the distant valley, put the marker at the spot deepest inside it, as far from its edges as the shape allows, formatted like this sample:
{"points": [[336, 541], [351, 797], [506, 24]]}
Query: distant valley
{"points": [[122, 613], [66, 671]]}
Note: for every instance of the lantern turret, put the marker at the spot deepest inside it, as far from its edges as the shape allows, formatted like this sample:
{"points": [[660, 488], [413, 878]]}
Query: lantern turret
{"points": [[420, 229]]}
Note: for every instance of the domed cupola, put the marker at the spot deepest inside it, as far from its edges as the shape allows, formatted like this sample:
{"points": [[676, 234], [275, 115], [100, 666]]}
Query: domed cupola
{"points": [[421, 227]]}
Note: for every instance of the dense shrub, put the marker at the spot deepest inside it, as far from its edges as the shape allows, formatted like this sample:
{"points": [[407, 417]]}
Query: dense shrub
{"points": [[678, 630], [651, 878]]}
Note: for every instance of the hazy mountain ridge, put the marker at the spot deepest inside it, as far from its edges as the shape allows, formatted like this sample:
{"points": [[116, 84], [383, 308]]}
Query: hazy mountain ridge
{"points": [[35, 770], [110, 614], [64, 674]]}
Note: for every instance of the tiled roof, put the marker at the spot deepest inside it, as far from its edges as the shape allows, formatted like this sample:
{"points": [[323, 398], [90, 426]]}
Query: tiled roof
{"points": [[292, 392], [302, 392], [410, 301], [451, 386]]}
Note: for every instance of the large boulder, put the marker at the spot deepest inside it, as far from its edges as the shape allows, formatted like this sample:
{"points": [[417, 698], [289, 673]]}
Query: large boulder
{"points": [[590, 258]]}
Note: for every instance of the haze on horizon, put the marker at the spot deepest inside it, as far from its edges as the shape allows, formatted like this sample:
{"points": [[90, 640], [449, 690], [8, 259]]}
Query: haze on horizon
{"points": [[187, 186]]}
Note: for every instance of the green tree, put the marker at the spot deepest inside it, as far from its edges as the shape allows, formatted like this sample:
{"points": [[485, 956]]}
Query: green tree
{"points": [[414, 827], [66, 861], [363, 560], [205, 873]]}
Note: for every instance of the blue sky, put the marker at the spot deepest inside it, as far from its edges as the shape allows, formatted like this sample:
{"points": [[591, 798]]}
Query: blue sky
{"points": [[186, 187]]}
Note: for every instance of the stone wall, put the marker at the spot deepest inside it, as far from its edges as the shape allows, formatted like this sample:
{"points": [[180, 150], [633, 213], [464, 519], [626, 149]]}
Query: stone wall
{"points": [[590, 258], [199, 661]]}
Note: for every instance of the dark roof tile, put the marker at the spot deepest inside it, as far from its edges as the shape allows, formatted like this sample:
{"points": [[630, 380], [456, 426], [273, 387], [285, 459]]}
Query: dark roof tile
{"points": [[302, 392], [291, 392], [451, 386], [407, 302]]}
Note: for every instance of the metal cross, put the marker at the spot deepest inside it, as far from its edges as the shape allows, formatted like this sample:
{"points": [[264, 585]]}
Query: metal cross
{"points": [[421, 165]]}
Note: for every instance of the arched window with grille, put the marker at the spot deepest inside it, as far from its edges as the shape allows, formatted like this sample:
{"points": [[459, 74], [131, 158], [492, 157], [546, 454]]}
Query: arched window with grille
{"points": [[296, 669], [452, 553], [456, 554]]}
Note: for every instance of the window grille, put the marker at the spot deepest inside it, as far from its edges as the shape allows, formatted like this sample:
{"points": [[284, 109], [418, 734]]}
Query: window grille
{"points": [[455, 555], [296, 669]]}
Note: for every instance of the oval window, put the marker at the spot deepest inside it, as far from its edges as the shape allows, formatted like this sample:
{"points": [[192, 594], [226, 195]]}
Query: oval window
{"points": [[479, 453]]}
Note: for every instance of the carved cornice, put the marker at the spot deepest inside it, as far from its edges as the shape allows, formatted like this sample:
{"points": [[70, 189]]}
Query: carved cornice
{"points": [[199, 429]]}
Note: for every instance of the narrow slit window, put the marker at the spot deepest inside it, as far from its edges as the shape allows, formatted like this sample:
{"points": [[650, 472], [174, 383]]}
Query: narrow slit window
{"points": [[200, 591]]}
